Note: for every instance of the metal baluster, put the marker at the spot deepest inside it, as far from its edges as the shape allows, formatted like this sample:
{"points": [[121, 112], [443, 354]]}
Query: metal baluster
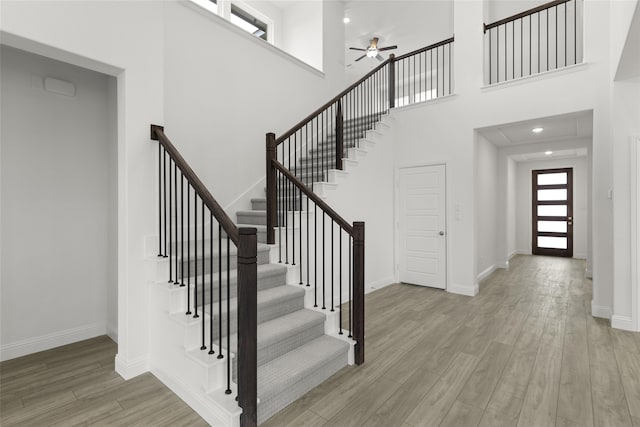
{"points": [[293, 200], [350, 287], [505, 53], [566, 44], [315, 255], [340, 283], [188, 247], [513, 50], [490, 63], [220, 355], [160, 156], [521, 51], [182, 229], [547, 39], [211, 283], [195, 254], [228, 390], [164, 178], [575, 31], [175, 209], [203, 347], [332, 273], [170, 229], [539, 14], [324, 271]]}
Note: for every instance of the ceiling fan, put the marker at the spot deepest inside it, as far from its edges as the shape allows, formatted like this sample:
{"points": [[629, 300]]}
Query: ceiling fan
{"points": [[373, 51]]}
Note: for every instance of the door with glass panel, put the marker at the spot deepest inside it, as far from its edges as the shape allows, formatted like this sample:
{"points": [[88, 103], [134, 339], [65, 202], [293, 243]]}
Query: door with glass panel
{"points": [[552, 212]]}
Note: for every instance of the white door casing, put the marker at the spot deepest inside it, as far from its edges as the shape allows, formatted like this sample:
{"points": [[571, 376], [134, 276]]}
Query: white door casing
{"points": [[422, 226]]}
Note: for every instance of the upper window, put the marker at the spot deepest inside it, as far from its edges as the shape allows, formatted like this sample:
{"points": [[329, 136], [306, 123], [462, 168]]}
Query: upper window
{"points": [[248, 22]]}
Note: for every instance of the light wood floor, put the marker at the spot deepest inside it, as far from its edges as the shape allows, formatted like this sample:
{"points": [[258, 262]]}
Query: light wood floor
{"points": [[77, 385], [524, 352]]}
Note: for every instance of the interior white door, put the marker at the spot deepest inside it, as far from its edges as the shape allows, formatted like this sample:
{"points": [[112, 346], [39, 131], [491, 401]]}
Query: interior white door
{"points": [[422, 226]]}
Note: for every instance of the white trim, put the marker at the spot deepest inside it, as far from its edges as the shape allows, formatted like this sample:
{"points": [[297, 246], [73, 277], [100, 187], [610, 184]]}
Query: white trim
{"points": [[580, 256], [55, 339], [260, 42], [634, 202], [600, 311], [379, 284], [128, 369], [469, 291], [198, 401], [487, 272], [543, 75], [622, 322]]}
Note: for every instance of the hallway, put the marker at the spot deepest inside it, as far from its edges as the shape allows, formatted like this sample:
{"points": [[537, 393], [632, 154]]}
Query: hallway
{"points": [[525, 352]]}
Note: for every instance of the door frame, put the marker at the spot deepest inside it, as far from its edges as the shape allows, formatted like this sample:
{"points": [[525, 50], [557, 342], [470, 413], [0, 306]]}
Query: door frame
{"points": [[396, 218], [535, 250]]}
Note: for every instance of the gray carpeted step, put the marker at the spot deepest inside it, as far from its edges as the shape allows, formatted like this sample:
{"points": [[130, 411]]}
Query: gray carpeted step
{"points": [[272, 303], [252, 217], [290, 376], [269, 276], [259, 204], [286, 333], [190, 267]]}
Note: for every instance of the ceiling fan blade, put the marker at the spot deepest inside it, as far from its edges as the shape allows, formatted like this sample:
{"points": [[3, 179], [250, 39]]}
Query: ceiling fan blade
{"points": [[379, 58], [382, 49], [358, 48], [360, 58], [374, 42]]}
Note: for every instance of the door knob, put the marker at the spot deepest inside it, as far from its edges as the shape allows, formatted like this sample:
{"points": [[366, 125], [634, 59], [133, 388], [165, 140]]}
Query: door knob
{"points": [[441, 233]]}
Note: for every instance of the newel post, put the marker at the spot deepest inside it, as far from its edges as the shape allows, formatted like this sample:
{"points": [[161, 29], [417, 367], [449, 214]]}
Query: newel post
{"points": [[248, 326], [358, 290], [392, 81], [339, 136], [271, 188]]}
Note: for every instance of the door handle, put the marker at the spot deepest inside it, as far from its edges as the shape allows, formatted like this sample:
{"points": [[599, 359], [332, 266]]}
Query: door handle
{"points": [[441, 233]]}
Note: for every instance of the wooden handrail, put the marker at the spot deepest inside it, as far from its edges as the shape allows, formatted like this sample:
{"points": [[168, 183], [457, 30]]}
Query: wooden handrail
{"points": [[525, 13], [311, 116], [426, 48], [313, 197], [157, 134]]}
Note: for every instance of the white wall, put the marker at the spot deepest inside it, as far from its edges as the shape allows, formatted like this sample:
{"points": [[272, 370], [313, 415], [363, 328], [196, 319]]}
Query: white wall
{"points": [[486, 193], [301, 31], [580, 202], [58, 213]]}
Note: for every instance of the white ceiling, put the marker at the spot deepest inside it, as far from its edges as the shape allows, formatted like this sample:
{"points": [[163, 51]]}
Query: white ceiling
{"points": [[555, 154], [556, 128], [409, 24]]}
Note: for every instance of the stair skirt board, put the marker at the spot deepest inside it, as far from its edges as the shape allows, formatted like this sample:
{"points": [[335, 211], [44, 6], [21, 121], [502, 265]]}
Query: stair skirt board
{"points": [[294, 352]]}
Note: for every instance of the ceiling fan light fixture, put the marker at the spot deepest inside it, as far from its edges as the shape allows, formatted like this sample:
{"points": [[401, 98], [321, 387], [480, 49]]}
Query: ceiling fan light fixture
{"points": [[372, 53], [537, 130], [346, 20]]}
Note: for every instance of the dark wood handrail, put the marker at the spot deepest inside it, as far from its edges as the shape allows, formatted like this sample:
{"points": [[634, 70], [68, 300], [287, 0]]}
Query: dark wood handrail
{"points": [[311, 116], [424, 49], [157, 134], [314, 197], [525, 13]]}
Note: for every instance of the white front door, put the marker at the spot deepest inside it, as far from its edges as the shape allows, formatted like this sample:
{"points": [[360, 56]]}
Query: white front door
{"points": [[422, 221]]}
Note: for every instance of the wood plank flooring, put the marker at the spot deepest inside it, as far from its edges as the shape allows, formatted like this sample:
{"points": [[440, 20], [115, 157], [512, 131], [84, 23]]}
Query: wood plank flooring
{"points": [[524, 352]]}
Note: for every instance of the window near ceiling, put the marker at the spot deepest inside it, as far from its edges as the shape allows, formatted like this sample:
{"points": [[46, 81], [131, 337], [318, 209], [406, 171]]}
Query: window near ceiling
{"points": [[248, 22]]}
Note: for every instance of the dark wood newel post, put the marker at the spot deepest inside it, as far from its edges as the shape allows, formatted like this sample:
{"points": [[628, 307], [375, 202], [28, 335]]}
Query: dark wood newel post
{"points": [[392, 81], [358, 290], [339, 136], [248, 326], [271, 188]]}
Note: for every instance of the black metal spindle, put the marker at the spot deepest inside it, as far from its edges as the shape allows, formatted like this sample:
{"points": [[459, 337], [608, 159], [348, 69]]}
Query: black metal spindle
{"points": [[513, 50], [498, 54], [332, 272], [350, 287], [228, 390], [575, 31], [175, 211], [160, 200], [566, 44], [220, 355], [340, 283], [170, 228], [211, 283], [195, 255], [188, 247], [324, 270], [203, 347], [490, 63], [182, 260], [521, 51], [280, 221], [293, 201], [315, 255], [530, 37]]}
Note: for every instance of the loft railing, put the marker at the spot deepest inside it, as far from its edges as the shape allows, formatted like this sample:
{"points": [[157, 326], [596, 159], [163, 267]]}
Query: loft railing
{"points": [[193, 265], [327, 251], [541, 39]]}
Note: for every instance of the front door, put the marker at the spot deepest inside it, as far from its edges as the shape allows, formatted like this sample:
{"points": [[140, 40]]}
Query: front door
{"points": [[422, 221], [552, 192]]}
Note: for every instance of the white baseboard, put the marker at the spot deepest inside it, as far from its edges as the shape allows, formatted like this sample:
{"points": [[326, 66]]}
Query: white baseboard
{"points": [[523, 252], [463, 289], [128, 369], [600, 311], [198, 401], [379, 284], [55, 339], [487, 272], [622, 322], [580, 256], [512, 254]]}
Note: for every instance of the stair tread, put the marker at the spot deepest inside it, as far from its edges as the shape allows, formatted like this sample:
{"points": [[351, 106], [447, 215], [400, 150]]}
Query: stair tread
{"points": [[281, 327], [265, 297], [264, 271], [295, 365], [252, 212], [233, 250]]}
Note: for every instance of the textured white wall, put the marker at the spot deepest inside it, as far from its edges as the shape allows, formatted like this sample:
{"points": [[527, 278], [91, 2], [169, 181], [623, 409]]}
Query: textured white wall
{"points": [[58, 210], [486, 183]]}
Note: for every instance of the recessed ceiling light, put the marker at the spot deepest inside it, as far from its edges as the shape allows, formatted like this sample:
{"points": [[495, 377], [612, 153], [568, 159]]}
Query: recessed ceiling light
{"points": [[548, 153], [537, 130], [346, 20]]}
